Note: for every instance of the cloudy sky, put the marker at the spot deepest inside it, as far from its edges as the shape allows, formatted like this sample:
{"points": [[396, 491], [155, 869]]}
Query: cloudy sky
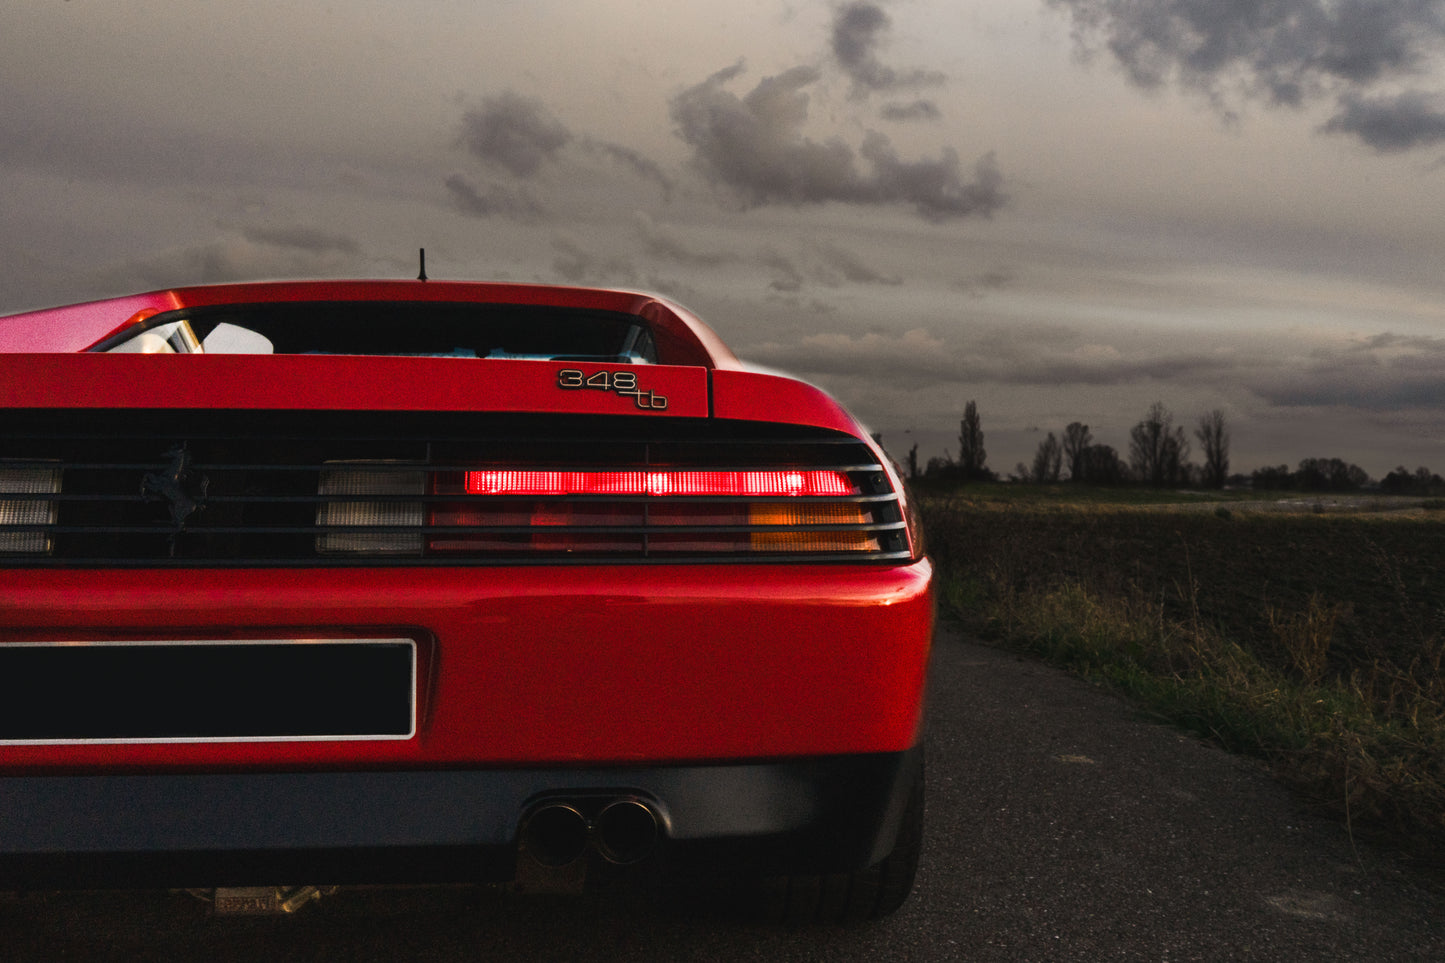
{"points": [[1064, 210]]}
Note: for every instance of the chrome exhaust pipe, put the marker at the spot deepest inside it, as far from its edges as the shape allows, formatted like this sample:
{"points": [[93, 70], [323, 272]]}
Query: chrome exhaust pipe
{"points": [[555, 835], [625, 831]]}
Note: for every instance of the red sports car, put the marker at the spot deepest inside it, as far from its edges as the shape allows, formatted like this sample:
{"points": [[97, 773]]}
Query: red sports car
{"points": [[391, 582]]}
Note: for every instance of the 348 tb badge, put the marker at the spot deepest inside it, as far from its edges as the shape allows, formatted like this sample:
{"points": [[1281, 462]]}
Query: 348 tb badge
{"points": [[619, 382]]}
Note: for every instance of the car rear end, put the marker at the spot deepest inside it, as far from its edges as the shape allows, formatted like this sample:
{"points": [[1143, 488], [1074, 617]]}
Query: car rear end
{"points": [[352, 618]]}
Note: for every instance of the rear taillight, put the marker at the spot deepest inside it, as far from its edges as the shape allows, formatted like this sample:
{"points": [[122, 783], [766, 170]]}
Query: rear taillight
{"points": [[25, 512], [660, 483], [662, 512], [371, 511], [518, 512]]}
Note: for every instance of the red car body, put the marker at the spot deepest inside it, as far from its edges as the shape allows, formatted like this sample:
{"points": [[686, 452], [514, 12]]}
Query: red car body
{"points": [[647, 609]]}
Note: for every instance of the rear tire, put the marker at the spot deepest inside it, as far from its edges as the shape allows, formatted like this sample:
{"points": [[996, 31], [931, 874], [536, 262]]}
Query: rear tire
{"points": [[850, 897]]}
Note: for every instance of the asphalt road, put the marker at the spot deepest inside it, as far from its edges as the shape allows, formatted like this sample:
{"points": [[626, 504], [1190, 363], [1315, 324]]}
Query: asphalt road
{"points": [[1060, 827]]}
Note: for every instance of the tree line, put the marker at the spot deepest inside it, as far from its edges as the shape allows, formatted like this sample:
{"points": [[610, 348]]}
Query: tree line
{"points": [[1158, 456]]}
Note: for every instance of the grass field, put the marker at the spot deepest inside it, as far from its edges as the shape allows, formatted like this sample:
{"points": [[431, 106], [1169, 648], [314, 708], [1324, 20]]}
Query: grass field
{"points": [[1307, 632]]}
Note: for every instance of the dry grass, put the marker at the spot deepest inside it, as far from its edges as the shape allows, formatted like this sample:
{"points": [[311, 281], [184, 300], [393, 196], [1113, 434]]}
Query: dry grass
{"points": [[1314, 641]]}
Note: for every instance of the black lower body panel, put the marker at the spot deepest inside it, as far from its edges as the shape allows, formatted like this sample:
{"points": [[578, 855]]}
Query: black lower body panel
{"points": [[823, 815]]}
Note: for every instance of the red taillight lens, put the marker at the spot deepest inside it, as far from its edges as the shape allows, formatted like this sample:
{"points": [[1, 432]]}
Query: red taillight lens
{"points": [[636, 512], [742, 484]]}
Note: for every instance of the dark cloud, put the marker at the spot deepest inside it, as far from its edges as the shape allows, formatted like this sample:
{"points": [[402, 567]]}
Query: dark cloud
{"points": [[513, 132], [981, 283], [756, 146], [914, 110], [491, 200], [1391, 123], [837, 261], [934, 187], [918, 358], [520, 136], [662, 244], [787, 276], [257, 254], [1385, 373], [1285, 52], [301, 239], [858, 32], [576, 264], [823, 264], [642, 166]]}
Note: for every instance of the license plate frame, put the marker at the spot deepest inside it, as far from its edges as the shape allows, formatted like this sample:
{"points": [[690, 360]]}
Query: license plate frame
{"points": [[208, 690]]}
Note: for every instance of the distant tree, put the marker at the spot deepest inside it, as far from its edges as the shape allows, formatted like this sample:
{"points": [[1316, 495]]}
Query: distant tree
{"points": [[1213, 437], [1158, 449], [1048, 461], [1077, 439], [913, 462], [1273, 478], [971, 455], [1398, 482], [1101, 465], [1329, 475], [1421, 481], [940, 467]]}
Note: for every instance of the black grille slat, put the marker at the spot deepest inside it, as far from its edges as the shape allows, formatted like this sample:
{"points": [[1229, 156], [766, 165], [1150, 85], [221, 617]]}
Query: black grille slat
{"points": [[233, 488]]}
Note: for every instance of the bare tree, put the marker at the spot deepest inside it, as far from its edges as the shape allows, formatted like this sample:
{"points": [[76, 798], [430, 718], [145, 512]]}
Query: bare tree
{"points": [[1158, 449], [1048, 461], [1077, 440], [913, 462], [971, 456], [1213, 435]]}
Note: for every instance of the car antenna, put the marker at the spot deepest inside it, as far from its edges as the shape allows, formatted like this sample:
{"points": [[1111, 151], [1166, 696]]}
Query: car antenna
{"points": [[422, 276]]}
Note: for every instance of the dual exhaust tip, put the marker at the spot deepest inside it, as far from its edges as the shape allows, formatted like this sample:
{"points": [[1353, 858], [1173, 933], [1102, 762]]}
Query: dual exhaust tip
{"points": [[622, 832]]}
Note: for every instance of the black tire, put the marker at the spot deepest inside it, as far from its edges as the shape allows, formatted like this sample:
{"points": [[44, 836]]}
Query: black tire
{"points": [[851, 897]]}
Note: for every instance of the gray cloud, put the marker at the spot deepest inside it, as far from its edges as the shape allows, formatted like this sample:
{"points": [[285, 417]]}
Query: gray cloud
{"points": [[258, 254], [919, 358], [980, 284], [787, 276], [514, 132], [643, 167], [836, 260], [1391, 123], [491, 200], [579, 266], [914, 110], [858, 32], [1385, 373], [756, 146], [1285, 52], [935, 188], [820, 263], [302, 239], [660, 243]]}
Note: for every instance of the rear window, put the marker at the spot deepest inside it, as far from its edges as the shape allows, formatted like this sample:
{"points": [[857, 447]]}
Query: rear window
{"points": [[418, 329]]}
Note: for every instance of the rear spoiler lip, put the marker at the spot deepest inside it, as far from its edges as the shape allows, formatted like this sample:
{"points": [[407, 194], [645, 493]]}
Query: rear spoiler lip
{"points": [[348, 383]]}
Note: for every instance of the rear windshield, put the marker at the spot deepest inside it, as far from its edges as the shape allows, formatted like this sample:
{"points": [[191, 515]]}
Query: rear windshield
{"points": [[421, 329]]}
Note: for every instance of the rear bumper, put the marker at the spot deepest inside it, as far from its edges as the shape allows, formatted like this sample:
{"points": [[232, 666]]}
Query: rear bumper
{"points": [[820, 815], [528, 666]]}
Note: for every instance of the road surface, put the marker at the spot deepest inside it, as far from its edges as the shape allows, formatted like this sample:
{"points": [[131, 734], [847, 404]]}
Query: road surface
{"points": [[1060, 827]]}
